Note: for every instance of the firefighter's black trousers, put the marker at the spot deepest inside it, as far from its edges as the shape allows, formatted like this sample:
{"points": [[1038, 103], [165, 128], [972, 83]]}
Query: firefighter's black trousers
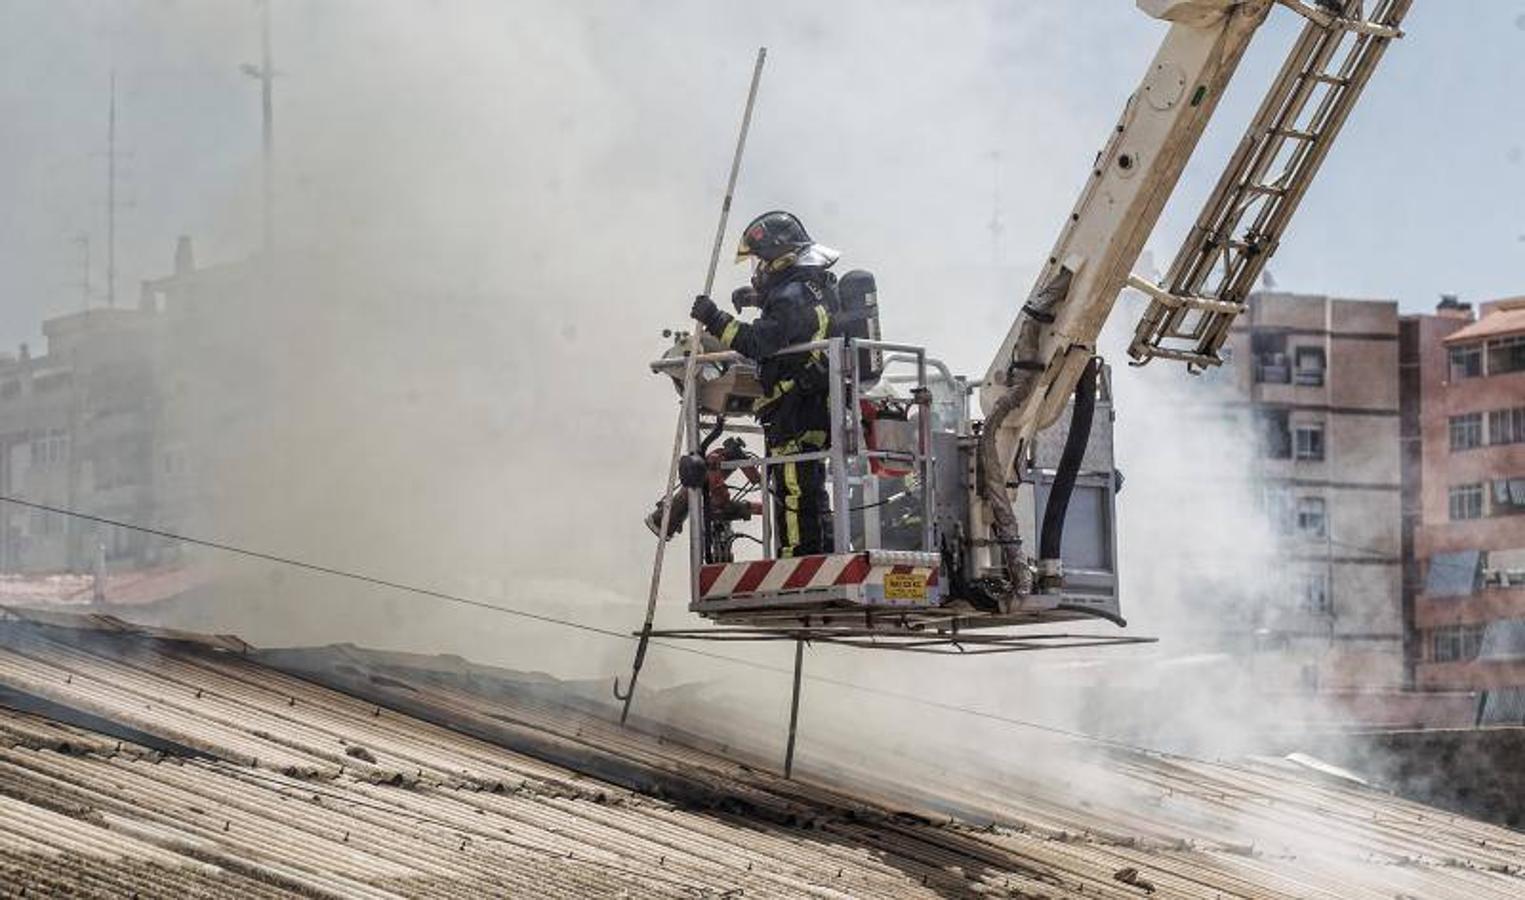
{"points": [[801, 510]]}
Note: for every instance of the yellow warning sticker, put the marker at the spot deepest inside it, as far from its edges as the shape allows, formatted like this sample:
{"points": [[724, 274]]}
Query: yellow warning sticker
{"points": [[907, 586]]}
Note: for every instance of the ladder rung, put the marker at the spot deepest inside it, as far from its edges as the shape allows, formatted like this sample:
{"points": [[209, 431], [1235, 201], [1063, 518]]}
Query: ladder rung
{"points": [[1267, 189], [1294, 134], [1177, 301], [1326, 78], [1149, 351], [1205, 304]]}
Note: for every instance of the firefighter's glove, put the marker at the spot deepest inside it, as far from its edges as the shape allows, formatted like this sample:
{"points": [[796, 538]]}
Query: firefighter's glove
{"points": [[706, 313], [745, 296]]}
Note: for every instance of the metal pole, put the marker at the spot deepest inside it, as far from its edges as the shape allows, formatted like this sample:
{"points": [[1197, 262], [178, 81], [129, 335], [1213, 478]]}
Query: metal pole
{"points": [[924, 454], [698, 523], [110, 198], [841, 530], [689, 400], [267, 108], [767, 511], [794, 708]]}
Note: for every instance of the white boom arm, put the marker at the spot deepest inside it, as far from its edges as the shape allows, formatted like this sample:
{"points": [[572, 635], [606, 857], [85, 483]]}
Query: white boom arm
{"points": [[1053, 339]]}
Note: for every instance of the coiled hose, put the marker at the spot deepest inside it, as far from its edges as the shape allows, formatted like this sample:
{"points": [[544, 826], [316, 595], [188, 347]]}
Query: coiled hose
{"points": [[1022, 376]]}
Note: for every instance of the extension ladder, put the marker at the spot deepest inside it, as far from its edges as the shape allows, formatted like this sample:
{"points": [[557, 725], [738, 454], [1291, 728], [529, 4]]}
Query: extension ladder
{"points": [[1241, 225]]}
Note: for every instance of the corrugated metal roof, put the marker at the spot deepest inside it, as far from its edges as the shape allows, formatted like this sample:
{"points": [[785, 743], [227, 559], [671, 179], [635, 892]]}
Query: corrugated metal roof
{"points": [[330, 779]]}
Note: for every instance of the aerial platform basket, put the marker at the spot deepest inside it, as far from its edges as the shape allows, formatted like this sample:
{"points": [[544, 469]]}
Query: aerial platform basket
{"points": [[900, 473]]}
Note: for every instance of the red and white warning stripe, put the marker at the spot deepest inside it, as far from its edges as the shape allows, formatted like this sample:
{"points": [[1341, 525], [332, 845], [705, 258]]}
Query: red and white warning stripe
{"points": [[766, 576]]}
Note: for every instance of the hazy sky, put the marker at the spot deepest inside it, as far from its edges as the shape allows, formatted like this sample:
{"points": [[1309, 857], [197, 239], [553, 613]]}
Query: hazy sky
{"points": [[1421, 196]]}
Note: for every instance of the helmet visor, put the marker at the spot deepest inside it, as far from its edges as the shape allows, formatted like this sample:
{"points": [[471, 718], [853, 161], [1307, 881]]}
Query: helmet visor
{"points": [[745, 249]]}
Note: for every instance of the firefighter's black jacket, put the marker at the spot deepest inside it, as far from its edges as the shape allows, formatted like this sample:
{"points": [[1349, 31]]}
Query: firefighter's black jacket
{"points": [[794, 311]]}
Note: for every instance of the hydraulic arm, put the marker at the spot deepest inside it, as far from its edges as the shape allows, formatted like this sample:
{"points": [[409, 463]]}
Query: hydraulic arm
{"points": [[1052, 341]]}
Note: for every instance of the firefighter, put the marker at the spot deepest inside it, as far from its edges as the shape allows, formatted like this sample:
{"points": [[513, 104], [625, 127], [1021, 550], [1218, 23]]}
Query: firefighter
{"points": [[793, 286]]}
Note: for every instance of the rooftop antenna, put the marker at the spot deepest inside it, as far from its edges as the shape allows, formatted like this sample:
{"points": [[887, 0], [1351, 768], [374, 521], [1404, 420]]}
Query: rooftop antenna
{"points": [[264, 73], [111, 157], [113, 206]]}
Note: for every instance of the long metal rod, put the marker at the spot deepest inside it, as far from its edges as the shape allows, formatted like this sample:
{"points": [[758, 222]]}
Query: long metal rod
{"points": [[841, 526], [111, 196], [794, 708], [267, 123], [694, 346]]}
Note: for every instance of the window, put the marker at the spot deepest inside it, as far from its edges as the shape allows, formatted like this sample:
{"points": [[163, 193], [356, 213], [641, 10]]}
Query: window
{"points": [[1506, 426], [1309, 368], [50, 447], [1467, 431], [1456, 643], [1506, 355], [1314, 591], [1508, 497], [1466, 501], [1275, 433], [1312, 521], [1270, 350], [1308, 441], [1466, 361]]}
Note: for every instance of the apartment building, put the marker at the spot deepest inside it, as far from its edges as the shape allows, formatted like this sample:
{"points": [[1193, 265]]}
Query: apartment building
{"points": [[1318, 379], [1466, 482], [77, 431], [90, 424]]}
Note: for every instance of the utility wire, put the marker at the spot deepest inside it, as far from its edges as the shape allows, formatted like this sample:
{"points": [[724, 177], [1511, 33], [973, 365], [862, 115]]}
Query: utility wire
{"points": [[567, 623], [311, 567]]}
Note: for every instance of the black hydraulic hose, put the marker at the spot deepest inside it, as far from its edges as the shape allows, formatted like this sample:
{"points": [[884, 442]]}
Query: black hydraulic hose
{"points": [[1051, 538], [704, 445]]}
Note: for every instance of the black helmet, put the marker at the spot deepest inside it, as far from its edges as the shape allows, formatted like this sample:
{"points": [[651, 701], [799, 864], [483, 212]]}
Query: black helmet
{"points": [[772, 235]]}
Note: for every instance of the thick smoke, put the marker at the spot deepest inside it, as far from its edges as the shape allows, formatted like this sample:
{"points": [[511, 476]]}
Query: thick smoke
{"points": [[486, 213], [442, 366]]}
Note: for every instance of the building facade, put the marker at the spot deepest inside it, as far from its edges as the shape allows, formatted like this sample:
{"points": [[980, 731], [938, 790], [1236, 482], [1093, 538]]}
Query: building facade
{"points": [[1467, 489], [77, 431], [92, 423], [1317, 378]]}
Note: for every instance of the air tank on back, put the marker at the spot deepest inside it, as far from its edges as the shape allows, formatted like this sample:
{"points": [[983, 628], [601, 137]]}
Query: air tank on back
{"points": [[857, 316]]}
